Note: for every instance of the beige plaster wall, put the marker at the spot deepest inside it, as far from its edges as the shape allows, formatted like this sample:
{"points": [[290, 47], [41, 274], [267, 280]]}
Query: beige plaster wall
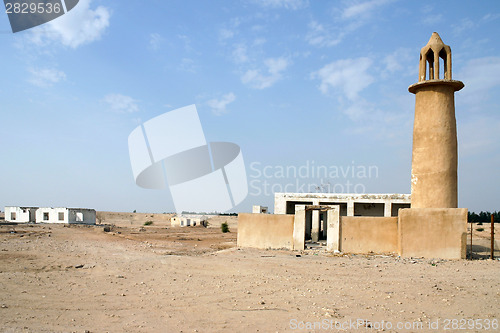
{"points": [[265, 231], [432, 232], [123, 219], [363, 234], [434, 157]]}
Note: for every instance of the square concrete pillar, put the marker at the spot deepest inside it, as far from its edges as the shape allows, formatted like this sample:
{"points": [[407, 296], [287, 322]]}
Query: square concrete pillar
{"points": [[324, 224], [299, 227], [387, 208], [308, 223], [350, 208], [432, 232], [315, 226], [333, 238]]}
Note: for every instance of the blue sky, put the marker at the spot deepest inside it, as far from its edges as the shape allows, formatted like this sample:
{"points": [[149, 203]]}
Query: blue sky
{"points": [[295, 83]]}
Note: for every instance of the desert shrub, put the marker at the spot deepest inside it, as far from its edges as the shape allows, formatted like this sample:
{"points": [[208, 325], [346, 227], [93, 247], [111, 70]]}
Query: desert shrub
{"points": [[148, 222], [224, 227], [480, 229], [480, 223]]}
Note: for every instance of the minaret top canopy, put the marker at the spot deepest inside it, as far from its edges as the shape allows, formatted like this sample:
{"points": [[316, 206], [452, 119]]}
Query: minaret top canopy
{"points": [[430, 56]]}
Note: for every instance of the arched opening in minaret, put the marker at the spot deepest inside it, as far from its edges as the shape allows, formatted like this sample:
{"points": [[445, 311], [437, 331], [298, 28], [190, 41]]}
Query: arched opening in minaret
{"points": [[430, 62], [443, 65]]}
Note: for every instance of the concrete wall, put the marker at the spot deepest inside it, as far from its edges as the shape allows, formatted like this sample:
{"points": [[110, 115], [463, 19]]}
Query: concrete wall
{"points": [[350, 204], [397, 206], [432, 232], [299, 227], [81, 216], [21, 214], [342, 206], [334, 230], [417, 232], [51, 215], [363, 234], [265, 231], [123, 219], [369, 209]]}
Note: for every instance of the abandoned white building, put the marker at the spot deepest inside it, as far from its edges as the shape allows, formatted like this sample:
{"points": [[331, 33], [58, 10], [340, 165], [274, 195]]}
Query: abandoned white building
{"points": [[50, 215], [188, 221], [20, 214], [370, 205], [260, 210], [350, 204]]}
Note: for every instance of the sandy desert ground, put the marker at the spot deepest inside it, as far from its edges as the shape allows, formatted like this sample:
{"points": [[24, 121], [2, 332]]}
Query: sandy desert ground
{"points": [[135, 278]]}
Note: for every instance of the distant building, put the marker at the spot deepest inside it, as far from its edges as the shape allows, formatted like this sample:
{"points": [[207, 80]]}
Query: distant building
{"points": [[259, 210], [20, 214], [188, 220], [50, 215]]}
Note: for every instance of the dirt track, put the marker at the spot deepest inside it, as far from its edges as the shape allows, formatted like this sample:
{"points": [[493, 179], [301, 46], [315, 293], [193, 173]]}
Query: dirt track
{"points": [[78, 278]]}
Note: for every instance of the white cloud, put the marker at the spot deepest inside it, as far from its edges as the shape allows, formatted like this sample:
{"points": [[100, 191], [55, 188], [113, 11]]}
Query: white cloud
{"points": [[276, 65], [287, 4], [350, 19], [121, 103], [186, 41], [478, 135], [226, 34], [319, 35], [45, 77], [257, 28], [81, 25], [259, 41], [275, 68], [218, 106], [358, 109], [427, 8], [464, 25], [240, 53], [350, 76], [432, 19], [401, 60], [188, 65], [363, 9], [480, 76], [490, 17], [230, 29], [155, 41], [481, 73]]}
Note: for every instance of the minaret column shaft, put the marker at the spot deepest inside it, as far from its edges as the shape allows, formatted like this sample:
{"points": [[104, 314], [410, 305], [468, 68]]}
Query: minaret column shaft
{"points": [[434, 156]]}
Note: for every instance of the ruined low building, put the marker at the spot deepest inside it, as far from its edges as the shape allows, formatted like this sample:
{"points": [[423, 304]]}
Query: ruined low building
{"points": [[20, 214], [50, 215], [260, 209], [350, 204], [363, 205], [188, 221]]}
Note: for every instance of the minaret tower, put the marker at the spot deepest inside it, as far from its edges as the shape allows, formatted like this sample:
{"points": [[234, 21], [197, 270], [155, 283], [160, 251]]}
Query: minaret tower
{"points": [[434, 155]]}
